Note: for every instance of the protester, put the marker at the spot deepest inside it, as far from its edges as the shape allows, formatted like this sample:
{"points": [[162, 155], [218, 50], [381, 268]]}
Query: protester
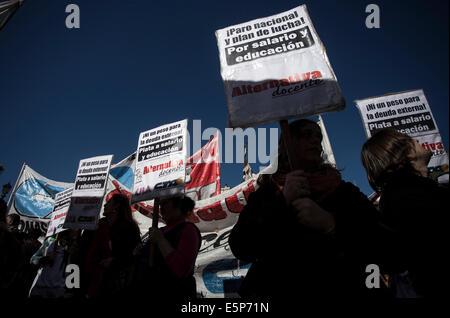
{"points": [[86, 243], [13, 221], [53, 258], [110, 260], [307, 232], [31, 245], [168, 273], [99, 250], [3, 212], [413, 207], [12, 259]]}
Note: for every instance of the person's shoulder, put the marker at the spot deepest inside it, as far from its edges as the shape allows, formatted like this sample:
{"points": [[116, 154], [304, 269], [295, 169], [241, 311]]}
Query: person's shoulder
{"points": [[191, 227], [349, 188], [410, 184], [191, 232]]}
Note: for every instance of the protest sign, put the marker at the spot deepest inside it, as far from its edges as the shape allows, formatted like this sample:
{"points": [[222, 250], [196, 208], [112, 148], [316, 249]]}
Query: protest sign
{"points": [[160, 162], [88, 192], [276, 68], [62, 203], [438, 165], [407, 112]]}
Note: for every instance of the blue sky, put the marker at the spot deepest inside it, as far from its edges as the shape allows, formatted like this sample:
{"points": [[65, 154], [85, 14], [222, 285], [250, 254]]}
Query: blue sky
{"points": [[68, 94]]}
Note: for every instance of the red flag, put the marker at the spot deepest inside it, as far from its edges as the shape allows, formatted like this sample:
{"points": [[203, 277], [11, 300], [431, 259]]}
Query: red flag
{"points": [[203, 172]]}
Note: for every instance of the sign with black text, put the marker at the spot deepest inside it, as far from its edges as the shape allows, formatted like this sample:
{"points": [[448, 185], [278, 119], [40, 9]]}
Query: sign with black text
{"points": [[160, 162], [88, 192], [276, 68], [409, 113], [62, 203]]}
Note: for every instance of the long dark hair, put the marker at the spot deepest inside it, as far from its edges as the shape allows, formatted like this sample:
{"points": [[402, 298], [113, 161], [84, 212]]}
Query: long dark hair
{"points": [[124, 213], [185, 204]]}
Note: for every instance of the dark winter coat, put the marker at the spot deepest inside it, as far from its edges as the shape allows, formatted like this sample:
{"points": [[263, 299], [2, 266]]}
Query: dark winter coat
{"points": [[415, 209], [291, 259]]}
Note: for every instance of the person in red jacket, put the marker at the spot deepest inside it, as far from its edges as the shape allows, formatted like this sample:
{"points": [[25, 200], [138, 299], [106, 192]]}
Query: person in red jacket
{"points": [[170, 274]]}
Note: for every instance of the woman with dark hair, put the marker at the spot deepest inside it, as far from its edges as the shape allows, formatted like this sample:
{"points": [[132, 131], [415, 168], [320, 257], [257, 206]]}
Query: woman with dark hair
{"points": [[110, 258], [169, 273], [412, 207], [306, 232]]}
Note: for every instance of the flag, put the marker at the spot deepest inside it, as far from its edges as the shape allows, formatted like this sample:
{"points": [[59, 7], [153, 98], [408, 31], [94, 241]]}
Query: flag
{"points": [[328, 155], [7, 10], [247, 172], [33, 198], [203, 171]]}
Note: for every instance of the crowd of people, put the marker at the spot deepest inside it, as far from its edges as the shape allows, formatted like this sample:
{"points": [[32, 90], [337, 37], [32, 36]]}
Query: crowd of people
{"points": [[328, 234], [111, 261], [320, 229]]}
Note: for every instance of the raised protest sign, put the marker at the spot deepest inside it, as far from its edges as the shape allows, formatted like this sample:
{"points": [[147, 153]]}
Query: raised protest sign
{"points": [[62, 203], [88, 192], [276, 68], [407, 112], [160, 162]]}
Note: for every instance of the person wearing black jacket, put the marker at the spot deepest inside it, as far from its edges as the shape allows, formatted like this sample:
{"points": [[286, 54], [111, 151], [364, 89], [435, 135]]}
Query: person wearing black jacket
{"points": [[307, 232], [413, 207]]}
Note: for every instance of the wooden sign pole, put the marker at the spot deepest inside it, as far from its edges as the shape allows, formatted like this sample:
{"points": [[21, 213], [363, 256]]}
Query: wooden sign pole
{"points": [[155, 220], [293, 164]]}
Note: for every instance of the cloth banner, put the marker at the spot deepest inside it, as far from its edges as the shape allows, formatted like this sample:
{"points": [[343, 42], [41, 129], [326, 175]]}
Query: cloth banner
{"points": [[218, 273], [211, 214], [33, 198], [276, 68]]}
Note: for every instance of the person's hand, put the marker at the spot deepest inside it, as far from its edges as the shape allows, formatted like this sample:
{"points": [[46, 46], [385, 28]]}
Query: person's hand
{"points": [[106, 262], [310, 214], [296, 186], [155, 235]]}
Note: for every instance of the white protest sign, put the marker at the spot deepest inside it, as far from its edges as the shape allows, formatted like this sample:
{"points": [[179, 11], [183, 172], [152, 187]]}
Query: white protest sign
{"points": [[161, 162], [407, 112], [276, 68], [62, 203], [438, 165], [88, 192]]}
